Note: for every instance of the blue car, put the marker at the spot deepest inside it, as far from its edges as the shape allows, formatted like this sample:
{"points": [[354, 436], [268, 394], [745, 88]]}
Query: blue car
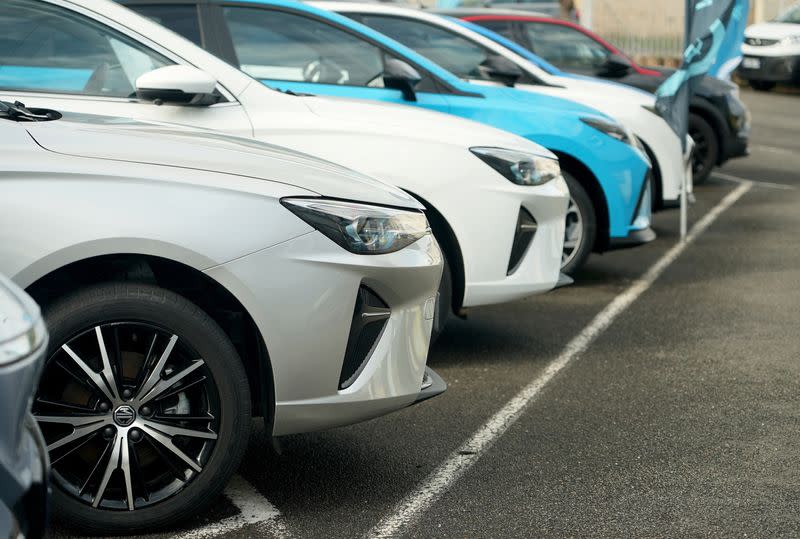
{"points": [[294, 47]]}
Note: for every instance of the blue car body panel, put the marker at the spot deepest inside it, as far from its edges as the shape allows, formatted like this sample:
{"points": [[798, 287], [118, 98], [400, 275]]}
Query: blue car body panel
{"points": [[621, 170]]}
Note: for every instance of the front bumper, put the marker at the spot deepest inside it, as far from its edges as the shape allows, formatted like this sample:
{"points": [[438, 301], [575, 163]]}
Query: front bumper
{"points": [[639, 230], [24, 460], [489, 276], [302, 293], [432, 386], [770, 68]]}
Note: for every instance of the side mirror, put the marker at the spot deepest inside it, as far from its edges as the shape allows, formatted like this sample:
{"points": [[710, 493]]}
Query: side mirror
{"points": [[398, 75], [178, 84], [615, 65], [501, 69]]}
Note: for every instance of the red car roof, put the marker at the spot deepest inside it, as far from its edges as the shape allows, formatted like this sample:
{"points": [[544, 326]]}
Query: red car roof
{"points": [[548, 20]]}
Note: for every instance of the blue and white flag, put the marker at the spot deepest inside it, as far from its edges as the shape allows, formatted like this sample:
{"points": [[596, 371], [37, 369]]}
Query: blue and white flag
{"points": [[715, 32]]}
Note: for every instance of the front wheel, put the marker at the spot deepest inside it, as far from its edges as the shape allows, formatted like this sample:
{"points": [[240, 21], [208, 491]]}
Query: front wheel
{"points": [[581, 227], [706, 148], [144, 405]]}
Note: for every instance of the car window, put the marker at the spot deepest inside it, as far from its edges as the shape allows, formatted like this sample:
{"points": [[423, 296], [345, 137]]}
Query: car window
{"points": [[180, 18], [50, 49], [453, 52], [503, 28], [564, 46], [284, 46]]}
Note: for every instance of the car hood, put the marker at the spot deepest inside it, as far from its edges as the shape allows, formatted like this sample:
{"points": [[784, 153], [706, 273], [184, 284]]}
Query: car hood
{"points": [[120, 139], [404, 121], [772, 30], [595, 92]]}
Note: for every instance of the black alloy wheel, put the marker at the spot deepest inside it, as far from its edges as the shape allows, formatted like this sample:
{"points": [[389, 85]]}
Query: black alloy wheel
{"points": [[706, 148], [144, 405]]}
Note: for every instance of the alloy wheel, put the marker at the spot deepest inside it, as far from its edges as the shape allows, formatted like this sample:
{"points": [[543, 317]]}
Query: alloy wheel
{"points": [[573, 233], [130, 415], [701, 148]]}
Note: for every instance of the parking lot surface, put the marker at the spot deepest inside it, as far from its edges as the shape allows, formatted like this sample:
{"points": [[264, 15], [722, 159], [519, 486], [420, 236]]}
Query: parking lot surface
{"points": [[674, 414]]}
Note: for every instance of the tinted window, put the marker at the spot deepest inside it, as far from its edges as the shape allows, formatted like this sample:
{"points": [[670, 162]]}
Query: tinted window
{"points": [[503, 28], [284, 46], [181, 19], [47, 48], [564, 46], [448, 49]]}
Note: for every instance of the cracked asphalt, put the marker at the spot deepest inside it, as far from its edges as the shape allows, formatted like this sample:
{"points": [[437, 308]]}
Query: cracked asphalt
{"points": [[682, 419]]}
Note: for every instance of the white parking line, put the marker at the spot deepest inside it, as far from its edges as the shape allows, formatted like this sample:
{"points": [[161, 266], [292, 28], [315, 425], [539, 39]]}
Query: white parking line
{"points": [[770, 185], [254, 509], [773, 149], [410, 509]]}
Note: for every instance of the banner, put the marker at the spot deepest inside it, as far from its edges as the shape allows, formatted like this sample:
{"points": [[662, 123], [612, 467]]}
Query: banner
{"points": [[714, 36]]}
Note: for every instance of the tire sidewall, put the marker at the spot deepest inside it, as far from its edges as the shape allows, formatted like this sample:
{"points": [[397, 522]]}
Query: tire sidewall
{"points": [[134, 302], [701, 124], [585, 206]]}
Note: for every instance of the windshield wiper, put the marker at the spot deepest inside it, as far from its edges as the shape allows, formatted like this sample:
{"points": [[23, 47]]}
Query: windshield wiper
{"points": [[20, 113]]}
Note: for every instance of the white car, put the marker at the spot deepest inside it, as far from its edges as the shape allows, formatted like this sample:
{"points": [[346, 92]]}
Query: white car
{"points": [[631, 107], [772, 51], [189, 279], [502, 231]]}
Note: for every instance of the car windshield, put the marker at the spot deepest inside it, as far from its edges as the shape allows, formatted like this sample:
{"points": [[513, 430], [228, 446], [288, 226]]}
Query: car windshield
{"points": [[792, 16]]}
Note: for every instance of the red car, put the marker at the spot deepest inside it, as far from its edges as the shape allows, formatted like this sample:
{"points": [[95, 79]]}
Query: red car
{"points": [[718, 120]]}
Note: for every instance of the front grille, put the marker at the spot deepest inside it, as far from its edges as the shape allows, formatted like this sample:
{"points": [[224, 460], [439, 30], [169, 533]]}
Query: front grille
{"points": [[758, 42], [369, 319], [523, 236]]}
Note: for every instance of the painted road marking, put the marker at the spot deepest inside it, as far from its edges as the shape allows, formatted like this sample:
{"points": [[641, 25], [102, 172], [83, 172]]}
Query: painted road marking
{"points": [[410, 509], [254, 510], [773, 149], [769, 185]]}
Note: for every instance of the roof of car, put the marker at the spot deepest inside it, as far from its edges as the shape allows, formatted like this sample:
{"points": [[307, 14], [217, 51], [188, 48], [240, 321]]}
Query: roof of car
{"points": [[494, 12]]}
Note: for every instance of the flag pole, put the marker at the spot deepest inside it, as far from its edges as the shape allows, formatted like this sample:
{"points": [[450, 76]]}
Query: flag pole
{"points": [[685, 183]]}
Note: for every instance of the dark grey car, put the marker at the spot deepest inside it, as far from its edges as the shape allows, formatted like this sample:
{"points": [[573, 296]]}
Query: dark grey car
{"points": [[23, 457]]}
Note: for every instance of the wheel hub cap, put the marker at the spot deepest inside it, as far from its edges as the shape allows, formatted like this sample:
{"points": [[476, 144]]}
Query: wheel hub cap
{"points": [[124, 415]]}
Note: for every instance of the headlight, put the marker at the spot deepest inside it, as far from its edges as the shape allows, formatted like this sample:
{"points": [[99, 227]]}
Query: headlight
{"points": [[519, 167], [612, 129], [361, 228], [791, 40]]}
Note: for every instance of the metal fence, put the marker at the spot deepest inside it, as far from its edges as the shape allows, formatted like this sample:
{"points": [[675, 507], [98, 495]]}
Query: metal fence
{"points": [[642, 28]]}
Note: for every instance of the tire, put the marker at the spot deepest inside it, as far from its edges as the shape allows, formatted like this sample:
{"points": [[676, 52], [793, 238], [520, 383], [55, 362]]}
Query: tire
{"points": [[706, 153], [762, 85], [444, 305], [122, 311], [581, 227]]}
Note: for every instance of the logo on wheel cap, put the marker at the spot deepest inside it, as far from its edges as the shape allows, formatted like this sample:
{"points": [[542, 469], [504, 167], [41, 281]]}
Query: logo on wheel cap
{"points": [[124, 415]]}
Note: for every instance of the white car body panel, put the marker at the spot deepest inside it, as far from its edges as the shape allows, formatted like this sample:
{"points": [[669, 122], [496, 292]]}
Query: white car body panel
{"points": [[773, 30], [480, 205], [109, 193], [626, 105]]}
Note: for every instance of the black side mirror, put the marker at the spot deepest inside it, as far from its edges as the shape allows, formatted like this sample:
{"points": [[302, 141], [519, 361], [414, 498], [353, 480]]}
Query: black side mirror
{"points": [[501, 69], [615, 65], [398, 75]]}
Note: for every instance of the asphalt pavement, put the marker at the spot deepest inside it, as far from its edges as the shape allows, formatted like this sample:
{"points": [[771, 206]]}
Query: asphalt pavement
{"points": [[679, 417]]}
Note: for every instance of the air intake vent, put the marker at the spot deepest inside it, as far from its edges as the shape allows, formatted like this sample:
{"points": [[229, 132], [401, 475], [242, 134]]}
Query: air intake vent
{"points": [[369, 319], [526, 230], [758, 42]]}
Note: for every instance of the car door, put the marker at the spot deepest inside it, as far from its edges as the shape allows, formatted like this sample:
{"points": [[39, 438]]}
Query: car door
{"points": [[564, 46], [295, 51], [68, 60]]}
